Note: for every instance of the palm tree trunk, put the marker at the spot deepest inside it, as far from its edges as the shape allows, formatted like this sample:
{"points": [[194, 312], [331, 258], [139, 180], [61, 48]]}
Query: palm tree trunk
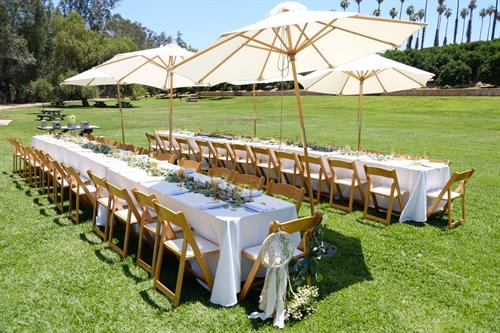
{"points": [[416, 41], [456, 24], [463, 31], [494, 21], [425, 20], [359, 8], [445, 40], [481, 29], [489, 27], [400, 10], [469, 27], [436, 38]]}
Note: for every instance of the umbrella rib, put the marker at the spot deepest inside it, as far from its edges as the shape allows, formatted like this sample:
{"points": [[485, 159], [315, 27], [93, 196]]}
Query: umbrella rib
{"points": [[230, 55], [319, 52], [408, 77], [381, 19], [312, 40], [133, 71], [380, 82], [345, 83], [267, 59], [302, 32], [366, 36], [261, 48], [252, 39], [111, 61], [318, 80], [285, 45]]}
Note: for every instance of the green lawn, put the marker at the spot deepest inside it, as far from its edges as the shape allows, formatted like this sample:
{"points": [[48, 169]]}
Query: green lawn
{"points": [[56, 276]]}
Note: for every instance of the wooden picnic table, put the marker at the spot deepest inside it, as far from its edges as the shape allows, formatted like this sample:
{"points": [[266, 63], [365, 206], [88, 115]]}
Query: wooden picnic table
{"points": [[100, 104], [125, 104], [51, 114], [82, 130]]}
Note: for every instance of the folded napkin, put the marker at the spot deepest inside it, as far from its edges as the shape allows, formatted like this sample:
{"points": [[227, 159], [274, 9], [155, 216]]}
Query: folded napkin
{"points": [[257, 207], [176, 191], [255, 193], [212, 205]]}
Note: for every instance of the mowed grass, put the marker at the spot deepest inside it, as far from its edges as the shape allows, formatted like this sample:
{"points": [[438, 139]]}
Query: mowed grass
{"points": [[56, 276]]}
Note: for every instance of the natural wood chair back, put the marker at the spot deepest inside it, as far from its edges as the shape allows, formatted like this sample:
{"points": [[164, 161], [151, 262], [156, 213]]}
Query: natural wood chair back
{"points": [[148, 225], [190, 164], [221, 172], [186, 149], [286, 172], [77, 184], [248, 180], [395, 192], [61, 181], [152, 142], [319, 175], [241, 157], [448, 195], [336, 182], [189, 244], [206, 153], [305, 225], [101, 199], [118, 197], [164, 143], [142, 150], [264, 163], [164, 156], [223, 154], [292, 192]]}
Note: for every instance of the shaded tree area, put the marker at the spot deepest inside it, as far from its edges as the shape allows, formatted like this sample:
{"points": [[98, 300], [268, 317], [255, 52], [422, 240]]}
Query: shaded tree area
{"points": [[41, 45], [456, 64]]}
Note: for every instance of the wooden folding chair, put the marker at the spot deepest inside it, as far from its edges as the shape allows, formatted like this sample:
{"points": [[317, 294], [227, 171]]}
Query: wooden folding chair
{"points": [[206, 153], [186, 149], [240, 156], [190, 164], [101, 199], [318, 174], [221, 172], [264, 163], [122, 210], [289, 167], [164, 156], [447, 195], [16, 154], [248, 180], [79, 187], [392, 192], [48, 175], [292, 192], [152, 143], [186, 248], [305, 225], [60, 183], [164, 143], [337, 182], [222, 154], [150, 229], [41, 169]]}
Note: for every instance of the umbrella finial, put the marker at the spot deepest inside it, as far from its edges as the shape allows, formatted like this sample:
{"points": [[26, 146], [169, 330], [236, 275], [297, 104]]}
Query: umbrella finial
{"points": [[286, 6]]}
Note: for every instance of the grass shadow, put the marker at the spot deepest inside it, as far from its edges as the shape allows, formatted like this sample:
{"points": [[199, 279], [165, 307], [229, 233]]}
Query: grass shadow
{"points": [[62, 221], [107, 256], [84, 237], [43, 212], [149, 297], [134, 276]]}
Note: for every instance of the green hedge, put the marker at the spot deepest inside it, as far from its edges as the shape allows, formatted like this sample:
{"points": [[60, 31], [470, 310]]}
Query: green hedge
{"points": [[456, 64]]}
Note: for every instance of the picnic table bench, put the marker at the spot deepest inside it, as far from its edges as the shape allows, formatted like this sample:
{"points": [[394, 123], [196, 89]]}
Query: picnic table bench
{"points": [[125, 104], [100, 104], [193, 98], [83, 130], [57, 103], [50, 114]]}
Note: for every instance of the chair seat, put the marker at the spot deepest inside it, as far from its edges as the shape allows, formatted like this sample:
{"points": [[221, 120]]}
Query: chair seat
{"points": [[263, 164], [314, 175], [205, 246], [62, 182], [104, 201], [253, 252], [290, 171], [346, 181], [152, 227], [123, 214], [435, 194], [91, 189], [385, 191]]}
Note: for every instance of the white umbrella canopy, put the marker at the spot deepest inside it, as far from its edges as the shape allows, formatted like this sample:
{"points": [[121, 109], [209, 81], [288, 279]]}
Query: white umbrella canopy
{"points": [[303, 39], [91, 77], [373, 74]]}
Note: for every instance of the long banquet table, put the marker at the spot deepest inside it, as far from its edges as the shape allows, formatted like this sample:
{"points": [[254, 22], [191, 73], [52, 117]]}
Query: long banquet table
{"points": [[416, 177], [233, 229]]}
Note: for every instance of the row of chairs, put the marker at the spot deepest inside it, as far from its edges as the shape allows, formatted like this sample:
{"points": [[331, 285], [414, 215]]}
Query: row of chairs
{"points": [[165, 230], [289, 167]]}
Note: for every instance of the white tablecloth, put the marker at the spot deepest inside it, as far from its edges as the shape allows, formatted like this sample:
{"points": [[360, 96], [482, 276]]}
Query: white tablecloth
{"points": [[416, 179], [232, 229]]}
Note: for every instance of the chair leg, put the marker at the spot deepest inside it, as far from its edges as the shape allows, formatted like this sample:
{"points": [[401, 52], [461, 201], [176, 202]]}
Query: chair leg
{"points": [[250, 279], [389, 210], [95, 228]]}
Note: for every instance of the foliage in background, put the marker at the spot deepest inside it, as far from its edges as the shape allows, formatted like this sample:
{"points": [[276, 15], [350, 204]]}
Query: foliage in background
{"points": [[75, 92], [41, 90]]}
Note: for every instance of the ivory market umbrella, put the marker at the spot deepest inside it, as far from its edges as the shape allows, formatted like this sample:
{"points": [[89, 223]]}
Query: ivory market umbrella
{"points": [[373, 74], [95, 77], [254, 98], [150, 67], [308, 40]]}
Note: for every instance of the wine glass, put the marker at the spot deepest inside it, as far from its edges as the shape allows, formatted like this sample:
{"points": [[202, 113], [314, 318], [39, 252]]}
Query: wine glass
{"points": [[180, 175]]}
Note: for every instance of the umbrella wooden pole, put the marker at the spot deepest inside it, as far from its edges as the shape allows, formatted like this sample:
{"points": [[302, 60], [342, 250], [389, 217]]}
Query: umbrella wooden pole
{"points": [[254, 113], [360, 112], [171, 111], [119, 96], [303, 132]]}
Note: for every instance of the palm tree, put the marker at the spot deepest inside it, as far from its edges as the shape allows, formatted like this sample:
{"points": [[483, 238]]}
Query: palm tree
{"points": [[419, 16], [393, 12], [379, 2], [440, 9], [495, 18], [489, 11], [463, 14], [401, 8], [425, 20], [359, 5], [482, 14], [410, 11], [472, 6], [456, 23], [344, 4], [447, 14], [376, 12]]}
